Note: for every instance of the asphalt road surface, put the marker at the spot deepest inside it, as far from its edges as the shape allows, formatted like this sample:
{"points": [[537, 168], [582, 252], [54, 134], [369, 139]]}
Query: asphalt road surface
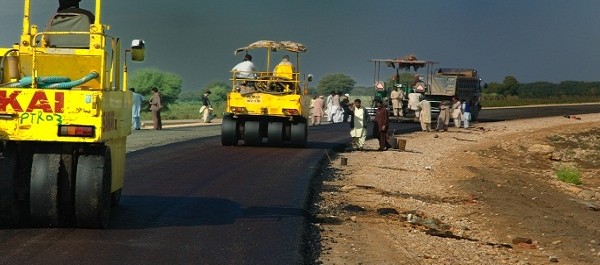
{"points": [[197, 202]]}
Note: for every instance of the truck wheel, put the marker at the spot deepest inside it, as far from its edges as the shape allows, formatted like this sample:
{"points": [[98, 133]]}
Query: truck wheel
{"points": [[275, 133], [8, 204], [92, 191], [43, 194], [252, 133], [229, 131], [298, 134]]}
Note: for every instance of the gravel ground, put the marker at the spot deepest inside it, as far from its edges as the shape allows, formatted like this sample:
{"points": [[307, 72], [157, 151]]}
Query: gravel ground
{"points": [[483, 195]]}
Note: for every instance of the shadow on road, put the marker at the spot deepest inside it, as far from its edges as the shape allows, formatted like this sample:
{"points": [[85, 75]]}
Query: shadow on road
{"points": [[142, 212]]}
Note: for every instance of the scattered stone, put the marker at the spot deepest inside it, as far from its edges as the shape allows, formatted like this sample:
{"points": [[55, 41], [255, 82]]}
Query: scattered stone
{"points": [[518, 240], [526, 246], [348, 188], [553, 259], [586, 194], [387, 211], [543, 149], [332, 220], [353, 208], [556, 242], [353, 218]]}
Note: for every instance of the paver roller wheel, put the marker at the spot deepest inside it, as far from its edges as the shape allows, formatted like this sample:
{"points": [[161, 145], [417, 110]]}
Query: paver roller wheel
{"points": [[43, 194], [275, 133], [8, 204], [252, 133], [229, 131], [92, 191], [298, 134]]}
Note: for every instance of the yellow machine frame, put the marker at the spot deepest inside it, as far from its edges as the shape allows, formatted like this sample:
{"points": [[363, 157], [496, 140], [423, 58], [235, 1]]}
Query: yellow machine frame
{"points": [[89, 115]]}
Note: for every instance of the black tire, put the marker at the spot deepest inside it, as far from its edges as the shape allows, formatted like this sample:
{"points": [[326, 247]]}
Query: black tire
{"points": [[43, 190], [298, 134], [252, 133], [229, 131], [275, 133], [92, 191], [8, 203]]}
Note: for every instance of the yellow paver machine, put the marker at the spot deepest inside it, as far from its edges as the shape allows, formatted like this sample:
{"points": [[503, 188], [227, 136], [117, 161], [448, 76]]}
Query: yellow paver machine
{"points": [[65, 114]]}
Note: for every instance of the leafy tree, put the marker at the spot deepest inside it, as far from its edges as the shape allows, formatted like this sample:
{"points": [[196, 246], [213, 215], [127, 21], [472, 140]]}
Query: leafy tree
{"points": [[190, 96], [168, 84], [362, 91], [538, 90], [493, 88], [510, 86], [335, 82]]}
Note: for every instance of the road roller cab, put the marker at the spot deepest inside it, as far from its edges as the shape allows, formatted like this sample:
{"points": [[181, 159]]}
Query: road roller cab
{"points": [[65, 114], [268, 107]]}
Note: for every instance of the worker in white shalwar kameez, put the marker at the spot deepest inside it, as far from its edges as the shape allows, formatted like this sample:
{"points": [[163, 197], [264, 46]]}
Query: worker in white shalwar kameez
{"points": [[425, 115], [358, 125], [413, 101]]}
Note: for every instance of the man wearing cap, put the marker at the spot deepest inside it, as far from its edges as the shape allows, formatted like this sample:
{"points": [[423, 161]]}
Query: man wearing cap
{"points": [[246, 68], [206, 107]]}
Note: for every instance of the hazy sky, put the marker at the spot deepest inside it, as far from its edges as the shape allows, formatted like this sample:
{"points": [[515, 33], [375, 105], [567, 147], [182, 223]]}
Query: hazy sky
{"points": [[533, 40]]}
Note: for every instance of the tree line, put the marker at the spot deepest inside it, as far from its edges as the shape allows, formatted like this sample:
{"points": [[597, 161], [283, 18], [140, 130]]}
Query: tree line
{"points": [[170, 87]]}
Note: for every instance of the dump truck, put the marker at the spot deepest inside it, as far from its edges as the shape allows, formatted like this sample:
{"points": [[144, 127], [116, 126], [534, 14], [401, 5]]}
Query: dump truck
{"points": [[437, 85], [462, 83], [269, 107], [65, 114]]}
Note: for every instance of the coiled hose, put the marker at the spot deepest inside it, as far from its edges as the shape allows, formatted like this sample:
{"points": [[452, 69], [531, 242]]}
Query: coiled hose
{"points": [[57, 82]]}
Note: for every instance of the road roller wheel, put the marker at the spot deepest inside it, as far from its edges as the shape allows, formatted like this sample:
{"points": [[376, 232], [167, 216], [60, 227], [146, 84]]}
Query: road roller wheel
{"points": [[252, 133], [229, 131], [8, 204], [92, 191], [43, 189], [275, 133], [298, 134]]}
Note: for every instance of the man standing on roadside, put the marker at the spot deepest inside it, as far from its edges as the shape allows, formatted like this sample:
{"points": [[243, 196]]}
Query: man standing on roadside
{"points": [[358, 125], [425, 115], [381, 126], [317, 112], [396, 96], [136, 108], [206, 107], [456, 112], [330, 106], [444, 116], [155, 107]]}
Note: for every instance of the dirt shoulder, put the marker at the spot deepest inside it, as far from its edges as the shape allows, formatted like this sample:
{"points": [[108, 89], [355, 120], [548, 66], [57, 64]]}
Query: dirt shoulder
{"points": [[474, 196]]}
